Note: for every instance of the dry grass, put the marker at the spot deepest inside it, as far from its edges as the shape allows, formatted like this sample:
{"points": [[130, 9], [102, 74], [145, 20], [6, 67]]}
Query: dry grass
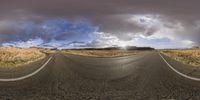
{"points": [[102, 53], [49, 51], [13, 57], [191, 57]]}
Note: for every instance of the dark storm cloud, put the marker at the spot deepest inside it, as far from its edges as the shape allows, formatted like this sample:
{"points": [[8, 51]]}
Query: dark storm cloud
{"points": [[98, 9], [110, 15], [49, 29]]}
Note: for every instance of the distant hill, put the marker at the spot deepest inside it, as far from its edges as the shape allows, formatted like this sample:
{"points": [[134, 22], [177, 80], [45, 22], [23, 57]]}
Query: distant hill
{"points": [[116, 48], [195, 47]]}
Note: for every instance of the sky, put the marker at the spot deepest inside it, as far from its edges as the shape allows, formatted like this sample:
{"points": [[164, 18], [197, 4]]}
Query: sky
{"points": [[100, 23]]}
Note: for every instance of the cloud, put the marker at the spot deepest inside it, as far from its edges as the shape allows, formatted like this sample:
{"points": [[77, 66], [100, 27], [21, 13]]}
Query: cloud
{"points": [[107, 40], [25, 44], [119, 20], [47, 30]]}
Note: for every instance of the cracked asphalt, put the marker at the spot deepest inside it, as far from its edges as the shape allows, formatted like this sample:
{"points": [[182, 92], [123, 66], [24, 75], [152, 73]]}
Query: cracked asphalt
{"points": [[70, 77]]}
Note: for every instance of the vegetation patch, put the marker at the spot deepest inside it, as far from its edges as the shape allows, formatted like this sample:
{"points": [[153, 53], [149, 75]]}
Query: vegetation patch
{"points": [[190, 57], [13, 57]]}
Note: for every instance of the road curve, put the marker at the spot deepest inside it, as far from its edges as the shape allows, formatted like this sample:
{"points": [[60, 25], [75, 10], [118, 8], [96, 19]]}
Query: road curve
{"points": [[25, 76], [82, 78], [178, 72]]}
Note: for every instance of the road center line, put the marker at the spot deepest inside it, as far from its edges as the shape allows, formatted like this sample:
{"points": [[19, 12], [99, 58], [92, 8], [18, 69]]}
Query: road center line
{"points": [[26, 76], [183, 75]]}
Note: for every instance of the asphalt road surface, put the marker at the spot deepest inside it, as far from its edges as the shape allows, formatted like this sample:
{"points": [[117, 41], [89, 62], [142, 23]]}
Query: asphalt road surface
{"points": [[70, 77]]}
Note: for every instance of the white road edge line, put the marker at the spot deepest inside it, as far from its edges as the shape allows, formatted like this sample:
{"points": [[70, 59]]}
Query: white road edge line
{"points": [[26, 76], [183, 75]]}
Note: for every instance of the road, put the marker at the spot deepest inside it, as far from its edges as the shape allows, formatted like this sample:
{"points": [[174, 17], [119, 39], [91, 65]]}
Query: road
{"points": [[70, 77]]}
